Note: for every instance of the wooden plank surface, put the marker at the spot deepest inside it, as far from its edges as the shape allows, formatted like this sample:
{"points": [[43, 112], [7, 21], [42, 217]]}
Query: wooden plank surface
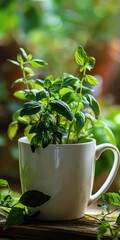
{"points": [[75, 229], [80, 229]]}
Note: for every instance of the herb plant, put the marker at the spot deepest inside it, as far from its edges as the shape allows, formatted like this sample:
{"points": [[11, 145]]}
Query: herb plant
{"points": [[14, 209], [57, 110], [106, 226]]}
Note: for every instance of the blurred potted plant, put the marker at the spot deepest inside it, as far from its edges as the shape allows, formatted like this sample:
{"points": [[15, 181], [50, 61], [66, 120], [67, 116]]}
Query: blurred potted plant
{"points": [[58, 148]]}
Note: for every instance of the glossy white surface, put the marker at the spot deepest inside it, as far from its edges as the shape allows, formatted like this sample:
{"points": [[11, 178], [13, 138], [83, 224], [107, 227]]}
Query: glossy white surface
{"points": [[66, 173]]}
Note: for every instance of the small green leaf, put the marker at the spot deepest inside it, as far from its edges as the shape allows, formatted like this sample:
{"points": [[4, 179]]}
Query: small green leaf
{"points": [[15, 217], [111, 198], [30, 94], [47, 83], [36, 83], [108, 132], [20, 59], [87, 89], [80, 121], [19, 94], [30, 108], [102, 229], [41, 94], [39, 82], [36, 63], [33, 198], [62, 108], [69, 97], [118, 220], [90, 80], [69, 80], [80, 56], [93, 104], [23, 53], [20, 80], [90, 63], [3, 183], [36, 141], [46, 139], [84, 100], [12, 129], [29, 70], [110, 135], [56, 86], [14, 62], [29, 57]]}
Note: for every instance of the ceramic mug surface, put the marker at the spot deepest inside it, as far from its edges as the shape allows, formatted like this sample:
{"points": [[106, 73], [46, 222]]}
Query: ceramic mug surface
{"points": [[66, 174]]}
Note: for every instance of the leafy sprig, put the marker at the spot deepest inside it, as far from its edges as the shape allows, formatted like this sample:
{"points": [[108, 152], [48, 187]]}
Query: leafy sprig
{"points": [[106, 226], [15, 208], [56, 110]]}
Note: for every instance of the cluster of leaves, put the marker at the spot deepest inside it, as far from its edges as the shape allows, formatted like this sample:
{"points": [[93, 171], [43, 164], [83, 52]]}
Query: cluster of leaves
{"points": [[60, 110], [15, 209], [112, 229]]}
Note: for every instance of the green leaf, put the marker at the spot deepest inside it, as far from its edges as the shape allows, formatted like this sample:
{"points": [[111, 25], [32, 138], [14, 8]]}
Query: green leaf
{"points": [[36, 141], [85, 100], [14, 62], [29, 70], [93, 104], [20, 94], [36, 83], [39, 82], [24, 53], [29, 57], [36, 63], [80, 56], [62, 108], [102, 229], [109, 135], [30, 108], [15, 217], [90, 80], [80, 120], [47, 83], [33, 198], [69, 80], [42, 94], [20, 80], [90, 63], [9, 201], [56, 86], [118, 220], [3, 183], [87, 89], [46, 139], [108, 132], [12, 129], [30, 94], [111, 198], [20, 59], [69, 97]]}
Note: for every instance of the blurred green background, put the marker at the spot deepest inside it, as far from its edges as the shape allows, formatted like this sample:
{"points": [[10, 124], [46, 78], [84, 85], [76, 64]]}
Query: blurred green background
{"points": [[52, 30]]}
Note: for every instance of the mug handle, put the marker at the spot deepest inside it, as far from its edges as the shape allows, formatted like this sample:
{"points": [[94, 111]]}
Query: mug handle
{"points": [[99, 149]]}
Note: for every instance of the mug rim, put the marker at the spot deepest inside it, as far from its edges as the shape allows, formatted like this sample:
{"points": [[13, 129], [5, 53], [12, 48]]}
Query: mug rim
{"points": [[24, 140]]}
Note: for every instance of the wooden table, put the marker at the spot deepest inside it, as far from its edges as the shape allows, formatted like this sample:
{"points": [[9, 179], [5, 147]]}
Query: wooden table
{"points": [[72, 230], [81, 229]]}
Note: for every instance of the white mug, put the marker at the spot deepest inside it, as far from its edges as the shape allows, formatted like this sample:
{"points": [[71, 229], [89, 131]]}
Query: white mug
{"points": [[66, 174]]}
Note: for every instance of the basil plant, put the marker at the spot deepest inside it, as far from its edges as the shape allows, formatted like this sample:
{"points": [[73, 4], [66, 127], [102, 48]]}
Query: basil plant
{"points": [[59, 110]]}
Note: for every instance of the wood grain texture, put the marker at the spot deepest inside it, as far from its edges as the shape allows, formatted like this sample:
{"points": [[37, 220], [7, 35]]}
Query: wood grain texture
{"points": [[84, 228], [81, 229]]}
